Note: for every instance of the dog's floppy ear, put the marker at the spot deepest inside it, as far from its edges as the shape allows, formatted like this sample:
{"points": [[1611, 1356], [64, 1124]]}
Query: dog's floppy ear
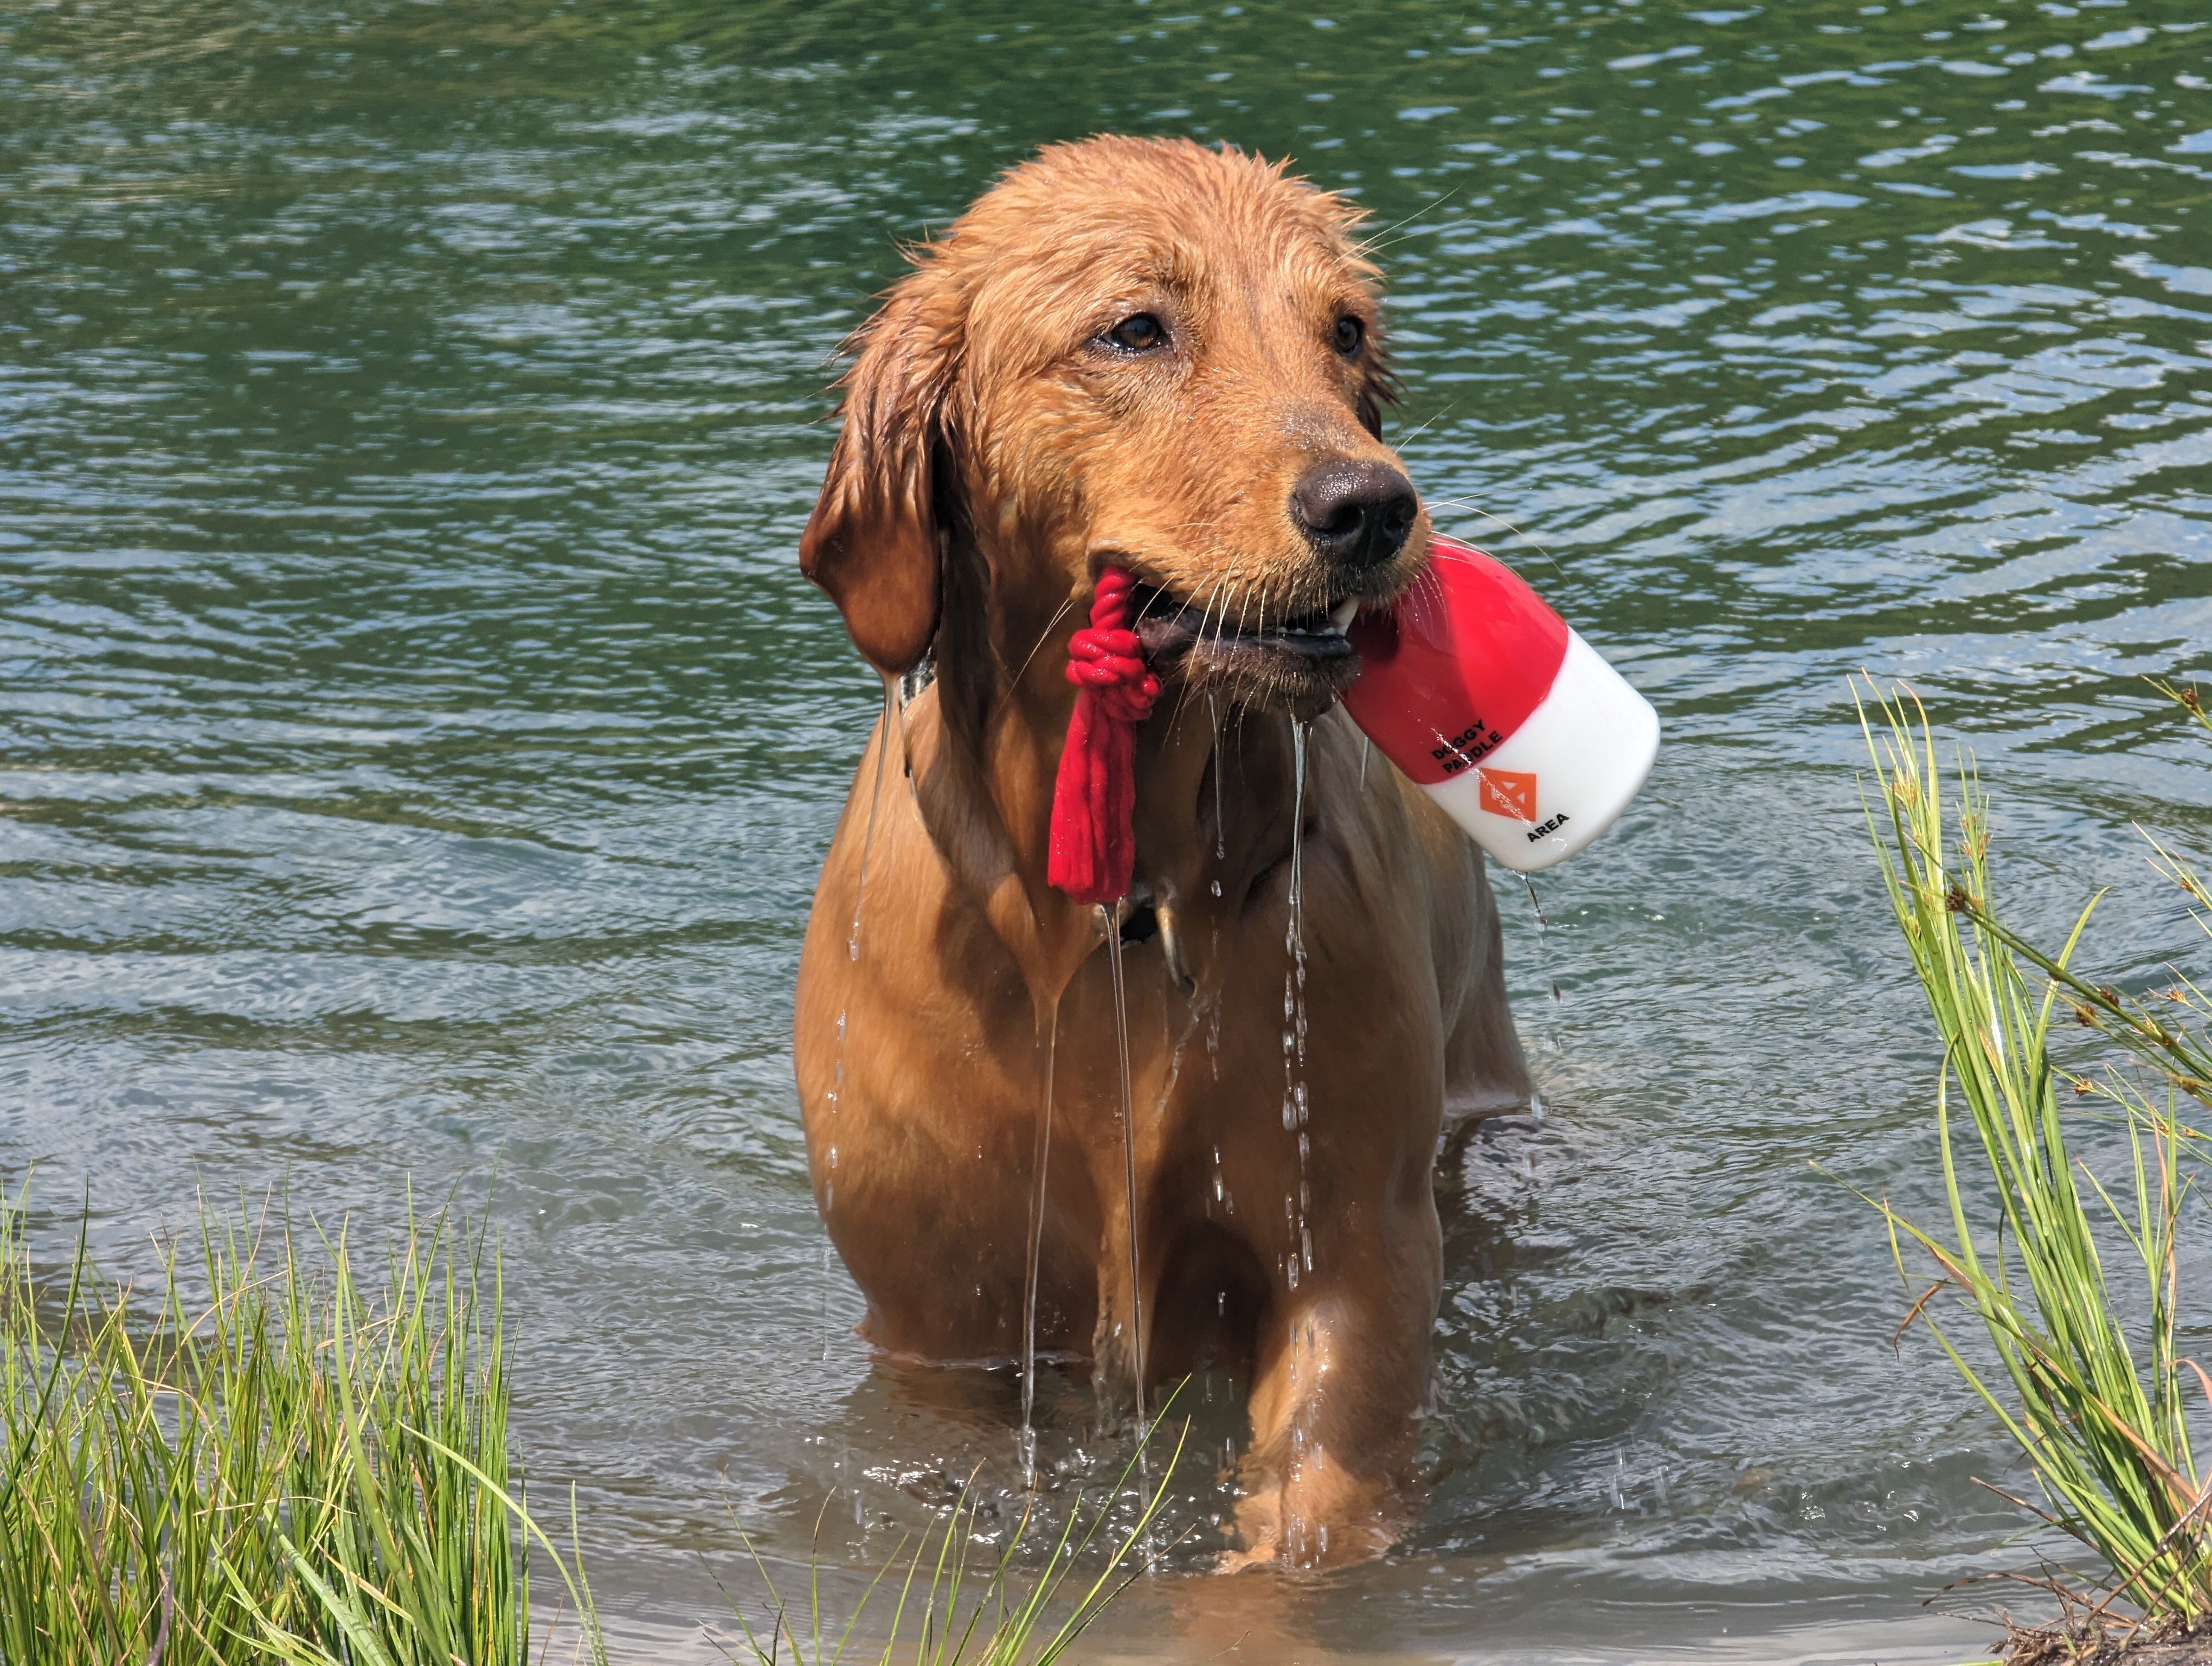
{"points": [[872, 541]]}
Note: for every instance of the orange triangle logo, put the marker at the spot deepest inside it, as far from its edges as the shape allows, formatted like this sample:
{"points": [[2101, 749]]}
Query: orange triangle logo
{"points": [[1507, 793]]}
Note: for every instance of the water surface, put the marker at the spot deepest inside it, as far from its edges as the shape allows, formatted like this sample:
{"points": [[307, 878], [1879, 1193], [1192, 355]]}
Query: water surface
{"points": [[419, 744]]}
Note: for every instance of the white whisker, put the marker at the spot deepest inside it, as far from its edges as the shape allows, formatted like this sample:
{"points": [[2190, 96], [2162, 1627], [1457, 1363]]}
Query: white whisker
{"points": [[1526, 537], [1426, 426]]}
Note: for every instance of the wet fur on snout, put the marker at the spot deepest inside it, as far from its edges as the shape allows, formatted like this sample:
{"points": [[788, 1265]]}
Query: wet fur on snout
{"points": [[1000, 445]]}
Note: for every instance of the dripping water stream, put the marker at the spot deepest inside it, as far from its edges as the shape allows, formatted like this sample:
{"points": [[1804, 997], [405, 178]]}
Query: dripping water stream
{"points": [[1049, 1036], [1295, 1108], [1214, 887], [1220, 826], [893, 721], [1106, 917]]}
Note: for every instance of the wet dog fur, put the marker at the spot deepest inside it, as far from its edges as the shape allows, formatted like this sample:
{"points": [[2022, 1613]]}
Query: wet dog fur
{"points": [[1169, 358]]}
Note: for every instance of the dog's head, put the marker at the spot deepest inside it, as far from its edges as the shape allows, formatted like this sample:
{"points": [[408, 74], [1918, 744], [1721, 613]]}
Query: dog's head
{"points": [[1139, 353]]}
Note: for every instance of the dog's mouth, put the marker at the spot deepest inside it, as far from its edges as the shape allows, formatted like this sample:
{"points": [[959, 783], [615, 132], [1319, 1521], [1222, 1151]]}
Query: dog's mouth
{"points": [[1302, 661], [1174, 630]]}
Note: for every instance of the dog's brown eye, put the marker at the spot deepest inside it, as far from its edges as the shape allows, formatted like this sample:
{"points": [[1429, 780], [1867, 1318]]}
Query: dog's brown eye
{"points": [[1350, 332], [1139, 332]]}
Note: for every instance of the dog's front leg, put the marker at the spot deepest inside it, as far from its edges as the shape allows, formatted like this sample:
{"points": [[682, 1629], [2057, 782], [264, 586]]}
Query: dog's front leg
{"points": [[1341, 1374]]}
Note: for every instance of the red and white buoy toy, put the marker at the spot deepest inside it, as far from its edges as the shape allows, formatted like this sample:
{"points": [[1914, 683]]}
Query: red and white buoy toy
{"points": [[1493, 706]]}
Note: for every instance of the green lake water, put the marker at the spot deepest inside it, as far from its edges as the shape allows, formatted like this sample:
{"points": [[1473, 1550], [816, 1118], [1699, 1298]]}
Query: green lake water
{"points": [[419, 744]]}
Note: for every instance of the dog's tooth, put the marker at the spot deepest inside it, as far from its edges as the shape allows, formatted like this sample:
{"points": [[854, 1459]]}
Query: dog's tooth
{"points": [[1342, 614]]}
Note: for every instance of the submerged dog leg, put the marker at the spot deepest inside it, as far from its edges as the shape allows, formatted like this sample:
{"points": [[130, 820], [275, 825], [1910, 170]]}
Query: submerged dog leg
{"points": [[1334, 1404]]}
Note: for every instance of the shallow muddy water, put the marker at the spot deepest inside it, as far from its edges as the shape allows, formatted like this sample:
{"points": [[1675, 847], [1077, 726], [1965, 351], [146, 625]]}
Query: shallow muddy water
{"points": [[420, 744]]}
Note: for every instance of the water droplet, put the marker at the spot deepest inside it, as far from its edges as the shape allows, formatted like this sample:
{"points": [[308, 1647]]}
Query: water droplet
{"points": [[1220, 826]]}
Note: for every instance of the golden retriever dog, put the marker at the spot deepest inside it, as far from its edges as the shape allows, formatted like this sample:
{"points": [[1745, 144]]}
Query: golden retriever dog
{"points": [[1151, 356]]}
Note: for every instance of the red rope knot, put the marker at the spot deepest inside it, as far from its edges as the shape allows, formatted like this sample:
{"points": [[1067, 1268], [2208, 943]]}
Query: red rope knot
{"points": [[1094, 850]]}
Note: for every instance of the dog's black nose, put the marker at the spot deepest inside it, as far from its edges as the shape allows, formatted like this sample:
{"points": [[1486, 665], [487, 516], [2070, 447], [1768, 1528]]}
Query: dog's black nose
{"points": [[1355, 513]]}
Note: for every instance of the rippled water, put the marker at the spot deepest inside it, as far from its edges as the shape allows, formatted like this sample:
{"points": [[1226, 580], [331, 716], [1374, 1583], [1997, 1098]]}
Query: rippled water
{"points": [[419, 743]]}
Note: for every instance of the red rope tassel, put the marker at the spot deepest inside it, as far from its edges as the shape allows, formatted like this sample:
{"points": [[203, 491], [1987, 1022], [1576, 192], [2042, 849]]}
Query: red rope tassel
{"points": [[1094, 851]]}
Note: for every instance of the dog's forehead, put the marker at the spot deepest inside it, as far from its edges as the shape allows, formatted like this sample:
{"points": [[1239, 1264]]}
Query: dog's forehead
{"points": [[1084, 225], [1137, 258]]}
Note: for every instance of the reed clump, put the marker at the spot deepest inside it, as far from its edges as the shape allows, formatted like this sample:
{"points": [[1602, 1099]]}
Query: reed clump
{"points": [[2087, 1381], [268, 1460]]}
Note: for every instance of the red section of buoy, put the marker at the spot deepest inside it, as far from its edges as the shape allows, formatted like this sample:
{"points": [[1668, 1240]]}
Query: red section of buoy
{"points": [[1094, 851], [1456, 665]]}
